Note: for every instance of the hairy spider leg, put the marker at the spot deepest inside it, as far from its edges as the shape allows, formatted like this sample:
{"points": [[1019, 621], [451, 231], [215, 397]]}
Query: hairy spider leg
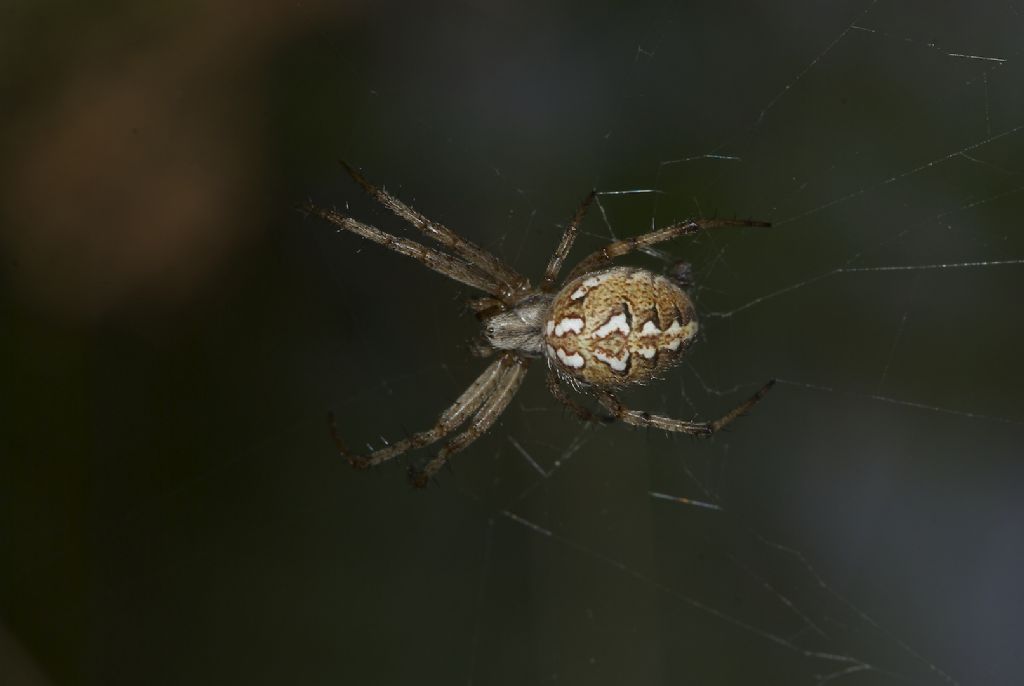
{"points": [[453, 417], [463, 247], [599, 258], [645, 419], [435, 260], [565, 245], [515, 366]]}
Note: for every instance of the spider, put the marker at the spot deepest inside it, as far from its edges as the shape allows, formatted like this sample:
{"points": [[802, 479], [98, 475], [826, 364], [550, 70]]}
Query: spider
{"points": [[601, 329]]}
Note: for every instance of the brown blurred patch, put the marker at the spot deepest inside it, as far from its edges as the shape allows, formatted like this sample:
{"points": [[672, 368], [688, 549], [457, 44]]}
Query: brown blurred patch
{"points": [[143, 169], [17, 667]]}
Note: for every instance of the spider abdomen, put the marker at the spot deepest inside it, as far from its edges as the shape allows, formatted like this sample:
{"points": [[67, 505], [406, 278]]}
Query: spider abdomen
{"points": [[618, 327]]}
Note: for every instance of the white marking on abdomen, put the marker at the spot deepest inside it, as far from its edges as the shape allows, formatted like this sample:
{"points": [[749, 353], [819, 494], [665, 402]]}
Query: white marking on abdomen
{"points": [[551, 326], [646, 353], [616, 363], [587, 284], [687, 332], [575, 361], [650, 329], [616, 323], [574, 324]]}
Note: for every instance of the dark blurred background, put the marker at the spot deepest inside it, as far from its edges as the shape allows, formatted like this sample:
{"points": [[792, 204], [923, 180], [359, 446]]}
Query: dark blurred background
{"points": [[174, 333]]}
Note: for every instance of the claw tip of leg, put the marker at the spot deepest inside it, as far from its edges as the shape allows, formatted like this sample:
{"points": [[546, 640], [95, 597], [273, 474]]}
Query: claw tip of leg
{"points": [[418, 478]]}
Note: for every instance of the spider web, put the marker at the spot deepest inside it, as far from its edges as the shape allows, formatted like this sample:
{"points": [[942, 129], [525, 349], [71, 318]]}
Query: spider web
{"points": [[860, 526], [814, 543]]}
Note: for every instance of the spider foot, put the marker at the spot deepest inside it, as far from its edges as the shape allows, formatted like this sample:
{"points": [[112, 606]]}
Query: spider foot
{"points": [[743, 409], [418, 477], [358, 462], [306, 209]]}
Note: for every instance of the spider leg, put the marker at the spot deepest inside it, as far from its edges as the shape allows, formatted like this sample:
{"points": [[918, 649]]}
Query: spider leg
{"points": [[457, 414], [556, 389], [484, 419], [438, 261], [464, 248], [619, 248], [565, 245], [645, 419]]}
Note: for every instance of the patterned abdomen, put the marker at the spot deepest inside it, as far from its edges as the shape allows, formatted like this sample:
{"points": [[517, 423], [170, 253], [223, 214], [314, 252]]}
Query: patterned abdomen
{"points": [[618, 327]]}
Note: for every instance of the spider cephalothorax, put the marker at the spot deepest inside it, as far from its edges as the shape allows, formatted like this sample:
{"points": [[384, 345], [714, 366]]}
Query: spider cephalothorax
{"points": [[603, 329]]}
